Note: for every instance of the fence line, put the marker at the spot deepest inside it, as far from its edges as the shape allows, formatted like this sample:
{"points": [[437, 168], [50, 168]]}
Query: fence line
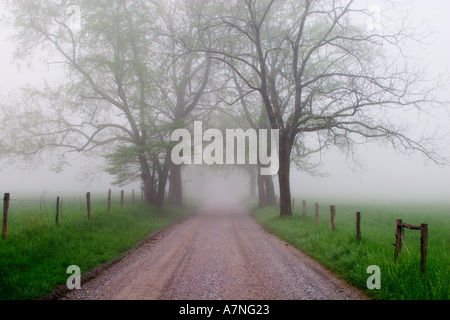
{"points": [[399, 231], [42, 206], [398, 234]]}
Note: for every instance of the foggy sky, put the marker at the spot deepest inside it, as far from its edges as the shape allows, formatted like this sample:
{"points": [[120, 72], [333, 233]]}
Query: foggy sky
{"points": [[386, 174]]}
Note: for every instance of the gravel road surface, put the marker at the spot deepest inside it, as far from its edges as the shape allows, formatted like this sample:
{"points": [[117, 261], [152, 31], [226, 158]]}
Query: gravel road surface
{"points": [[220, 253]]}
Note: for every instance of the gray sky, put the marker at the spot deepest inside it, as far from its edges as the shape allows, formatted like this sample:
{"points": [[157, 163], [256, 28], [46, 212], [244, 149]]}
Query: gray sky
{"points": [[386, 174]]}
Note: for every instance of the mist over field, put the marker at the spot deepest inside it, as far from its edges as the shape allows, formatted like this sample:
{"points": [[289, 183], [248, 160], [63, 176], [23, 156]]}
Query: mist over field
{"points": [[383, 174]]}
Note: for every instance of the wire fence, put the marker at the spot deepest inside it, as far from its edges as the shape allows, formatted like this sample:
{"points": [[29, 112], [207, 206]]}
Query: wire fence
{"points": [[28, 212]]}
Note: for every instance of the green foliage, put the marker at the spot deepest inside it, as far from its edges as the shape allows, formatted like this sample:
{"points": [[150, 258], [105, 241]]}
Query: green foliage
{"points": [[123, 165]]}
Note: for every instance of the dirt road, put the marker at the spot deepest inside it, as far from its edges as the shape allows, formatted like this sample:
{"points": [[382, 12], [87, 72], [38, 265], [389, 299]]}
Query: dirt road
{"points": [[220, 253]]}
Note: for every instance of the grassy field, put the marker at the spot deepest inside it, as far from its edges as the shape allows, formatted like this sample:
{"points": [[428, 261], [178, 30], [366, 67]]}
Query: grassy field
{"points": [[340, 252], [35, 257]]}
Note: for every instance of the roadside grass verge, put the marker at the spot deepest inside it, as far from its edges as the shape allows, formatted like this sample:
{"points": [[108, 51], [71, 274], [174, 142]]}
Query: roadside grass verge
{"points": [[34, 259], [349, 258]]}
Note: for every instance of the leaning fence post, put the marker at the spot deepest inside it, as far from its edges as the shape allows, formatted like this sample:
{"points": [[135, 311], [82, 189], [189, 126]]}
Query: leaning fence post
{"points": [[423, 246], [333, 214], [358, 226], [6, 199], [398, 237], [121, 198], [88, 199]]}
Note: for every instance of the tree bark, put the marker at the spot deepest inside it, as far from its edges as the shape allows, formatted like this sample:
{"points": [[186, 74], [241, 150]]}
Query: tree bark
{"points": [[262, 201], [163, 175], [162, 182], [175, 196], [269, 187], [284, 175], [147, 180]]}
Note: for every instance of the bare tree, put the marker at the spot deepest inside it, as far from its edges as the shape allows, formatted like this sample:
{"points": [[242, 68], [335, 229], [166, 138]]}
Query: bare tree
{"points": [[321, 71]]}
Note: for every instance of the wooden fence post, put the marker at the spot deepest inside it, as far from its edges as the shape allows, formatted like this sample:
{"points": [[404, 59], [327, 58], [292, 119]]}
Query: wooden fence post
{"points": [[398, 237], [109, 200], [423, 246], [133, 197], [6, 199], [333, 214], [293, 205], [304, 208], [88, 199], [57, 210], [121, 198], [317, 213], [358, 226]]}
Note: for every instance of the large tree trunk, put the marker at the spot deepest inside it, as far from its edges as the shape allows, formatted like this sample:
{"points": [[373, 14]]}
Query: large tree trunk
{"points": [[163, 174], [162, 182], [283, 175], [175, 186], [269, 187], [147, 181], [266, 191]]}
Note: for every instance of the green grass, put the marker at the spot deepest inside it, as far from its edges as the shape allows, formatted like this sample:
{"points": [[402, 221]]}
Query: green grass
{"points": [[340, 252], [35, 257]]}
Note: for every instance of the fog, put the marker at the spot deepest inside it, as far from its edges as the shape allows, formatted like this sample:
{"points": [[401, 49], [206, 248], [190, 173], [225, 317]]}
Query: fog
{"points": [[384, 174]]}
